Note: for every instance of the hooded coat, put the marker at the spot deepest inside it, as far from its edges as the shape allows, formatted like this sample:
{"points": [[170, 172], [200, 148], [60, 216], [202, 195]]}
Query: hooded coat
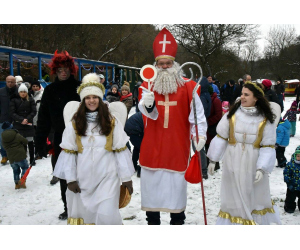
{"points": [[291, 174], [283, 133], [13, 144], [205, 96]]}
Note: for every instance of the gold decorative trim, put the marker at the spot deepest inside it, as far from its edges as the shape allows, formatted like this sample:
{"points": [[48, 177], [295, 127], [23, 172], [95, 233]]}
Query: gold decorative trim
{"points": [[264, 211], [78, 139], [78, 221], [238, 220], [120, 149], [165, 57], [89, 84], [70, 151], [109, 138], [267, 146], [222, 137], [260, 131], [232, 140], [255, 86]]}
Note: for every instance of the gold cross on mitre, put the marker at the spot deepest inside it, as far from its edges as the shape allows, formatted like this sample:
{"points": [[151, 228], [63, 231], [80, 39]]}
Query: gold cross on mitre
{"points": [[167, 105]]}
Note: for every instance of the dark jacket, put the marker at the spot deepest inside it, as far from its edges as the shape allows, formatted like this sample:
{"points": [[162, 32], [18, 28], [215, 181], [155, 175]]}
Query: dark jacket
{"points": [[134, 128], [14, 143], [56, 96], [279, 89], [21, 109], [271, 96], [205, 96], [227, 93], [238, 90], [111, 97], [5, 96], [291, 174]]}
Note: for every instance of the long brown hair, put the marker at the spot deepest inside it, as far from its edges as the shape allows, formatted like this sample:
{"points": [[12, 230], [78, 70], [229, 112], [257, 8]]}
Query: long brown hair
{"points": [[103, 119], [262, 104]]}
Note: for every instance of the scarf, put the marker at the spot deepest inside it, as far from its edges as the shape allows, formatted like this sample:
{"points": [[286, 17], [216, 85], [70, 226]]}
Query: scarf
{"points": [[125, 96], [91, 116]]}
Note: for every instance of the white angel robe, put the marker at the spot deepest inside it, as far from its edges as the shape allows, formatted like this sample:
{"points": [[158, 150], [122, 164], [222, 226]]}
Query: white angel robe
{"points": [[246, 147], [162, 189], [98, 172]]}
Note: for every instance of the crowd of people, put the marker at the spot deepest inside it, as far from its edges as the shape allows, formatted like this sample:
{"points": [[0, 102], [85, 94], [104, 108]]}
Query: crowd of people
{"points": [[238, 124]]}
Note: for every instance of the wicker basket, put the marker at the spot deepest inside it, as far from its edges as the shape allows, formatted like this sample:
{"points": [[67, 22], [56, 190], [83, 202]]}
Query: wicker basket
{"points": [[125, 197]]}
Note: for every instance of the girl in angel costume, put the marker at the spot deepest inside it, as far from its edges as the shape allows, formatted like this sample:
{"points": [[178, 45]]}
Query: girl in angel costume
{"points": [[94, 159], [246, 136]]}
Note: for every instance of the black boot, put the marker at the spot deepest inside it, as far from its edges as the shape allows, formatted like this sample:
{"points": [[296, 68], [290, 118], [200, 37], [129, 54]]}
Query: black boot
{"points": [[63, 216]]}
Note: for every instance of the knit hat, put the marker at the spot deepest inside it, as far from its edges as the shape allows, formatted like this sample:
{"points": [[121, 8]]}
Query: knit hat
{"points": [[126, 83], [19, 79], [267, 83], [232, 82], [296, 152], [114, 86], [294, 103], [22, 88], [6, 125], [125, 87], [91, 86], [36, 83], [101, 76]]}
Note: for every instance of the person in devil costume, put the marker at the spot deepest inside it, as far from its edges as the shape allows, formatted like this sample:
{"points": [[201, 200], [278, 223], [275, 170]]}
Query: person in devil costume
{"points": [[56, 96]]}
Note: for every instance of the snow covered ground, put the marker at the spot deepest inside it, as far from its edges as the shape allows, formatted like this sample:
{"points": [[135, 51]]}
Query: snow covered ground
{"points": [[40, 203]]}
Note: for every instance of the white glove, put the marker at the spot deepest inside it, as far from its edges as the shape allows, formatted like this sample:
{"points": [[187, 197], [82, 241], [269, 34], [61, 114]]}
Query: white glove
{"points": [[259, 175], [211, 168], [149, 99], [200, 143]]}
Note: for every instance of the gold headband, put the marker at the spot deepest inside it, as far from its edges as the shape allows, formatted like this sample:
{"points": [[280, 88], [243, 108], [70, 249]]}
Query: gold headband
{"points": [[255, 86]]}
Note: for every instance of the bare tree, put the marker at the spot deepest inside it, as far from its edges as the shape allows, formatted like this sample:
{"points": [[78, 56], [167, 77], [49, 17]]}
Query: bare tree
{"points": [[204, 40]]}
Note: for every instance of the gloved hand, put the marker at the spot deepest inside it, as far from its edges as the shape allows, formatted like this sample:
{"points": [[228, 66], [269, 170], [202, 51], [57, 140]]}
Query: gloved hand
{"points": [[149, 99], [73, 186], [259, 175], [200, 143], [211, 168], [128, 185]]}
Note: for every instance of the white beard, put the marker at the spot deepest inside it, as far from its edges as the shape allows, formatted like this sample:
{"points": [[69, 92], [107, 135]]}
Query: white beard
{"points": [[167, 80]]}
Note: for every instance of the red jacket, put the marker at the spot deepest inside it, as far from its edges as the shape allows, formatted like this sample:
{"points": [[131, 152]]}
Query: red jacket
{"points": [[215, 115]]}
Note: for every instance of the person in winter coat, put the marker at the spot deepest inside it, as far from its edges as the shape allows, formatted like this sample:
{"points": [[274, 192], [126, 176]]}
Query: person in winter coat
{"points": [[38, 91], [292, 179], [134, 128], [6, 94], [15, 144], [282, 141], [213, 120], [135, 94], [56, 95], [94, 160], [291, 115], [227, 91], [245, 140], [270, 94], [22, 111], [113, 94], [126, 97], [297, 93], [206, 103], [279, 90]]}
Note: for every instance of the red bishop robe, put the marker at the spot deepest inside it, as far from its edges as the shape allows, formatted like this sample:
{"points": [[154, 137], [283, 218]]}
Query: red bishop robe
{"points": [[166, 142]]}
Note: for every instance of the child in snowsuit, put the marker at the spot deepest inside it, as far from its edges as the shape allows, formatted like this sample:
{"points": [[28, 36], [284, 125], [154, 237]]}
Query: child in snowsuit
{"points": [[282, 141], [292, 179], [291, 115], [15, 144], [225, 107]]}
